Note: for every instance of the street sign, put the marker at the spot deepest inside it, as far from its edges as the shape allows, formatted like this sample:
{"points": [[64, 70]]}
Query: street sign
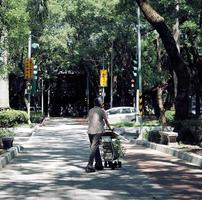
{"points": [[103, 78], [28, 69]]}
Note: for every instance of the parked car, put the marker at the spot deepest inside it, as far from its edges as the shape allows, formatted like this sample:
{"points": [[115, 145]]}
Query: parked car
{"points": [[120, 114]]}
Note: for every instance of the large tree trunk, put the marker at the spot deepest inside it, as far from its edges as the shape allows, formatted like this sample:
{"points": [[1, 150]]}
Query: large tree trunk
{"points": [[177, 64], [160, 87], [176, 35]]}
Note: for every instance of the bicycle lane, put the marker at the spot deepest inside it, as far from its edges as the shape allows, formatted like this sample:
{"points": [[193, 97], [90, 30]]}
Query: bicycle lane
{"points": [[52, 167]]}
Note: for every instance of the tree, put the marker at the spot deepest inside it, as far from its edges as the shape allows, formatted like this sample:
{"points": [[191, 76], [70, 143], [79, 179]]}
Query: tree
{"points": [[177, 63], [13, 20]]}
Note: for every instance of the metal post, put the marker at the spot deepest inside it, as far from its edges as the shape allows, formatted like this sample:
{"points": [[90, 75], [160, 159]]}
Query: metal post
{"points": [[111, 79], [42, 98], [103, 89], [29, 81], [49, 92], [103, 96], [87, 91], [139, 90]]}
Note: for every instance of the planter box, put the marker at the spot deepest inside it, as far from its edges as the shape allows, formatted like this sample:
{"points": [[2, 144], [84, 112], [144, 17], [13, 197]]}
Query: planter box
{"points": [[7, 142], [168, 137]]}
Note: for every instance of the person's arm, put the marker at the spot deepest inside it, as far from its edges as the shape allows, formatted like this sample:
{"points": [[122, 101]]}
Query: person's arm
{"points": [[107, 123], [106, 120]]}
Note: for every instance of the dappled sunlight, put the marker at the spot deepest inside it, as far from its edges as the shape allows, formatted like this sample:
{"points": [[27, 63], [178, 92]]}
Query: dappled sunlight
{"points": [[173, 174], [52, 166]]}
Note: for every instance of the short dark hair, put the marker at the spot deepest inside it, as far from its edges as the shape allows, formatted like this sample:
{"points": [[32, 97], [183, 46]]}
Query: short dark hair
{"points": [[98, 101]]}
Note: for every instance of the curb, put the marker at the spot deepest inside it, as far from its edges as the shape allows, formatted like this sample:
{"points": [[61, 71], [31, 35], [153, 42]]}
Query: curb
{"points": [[189, 157], [9, 155]]}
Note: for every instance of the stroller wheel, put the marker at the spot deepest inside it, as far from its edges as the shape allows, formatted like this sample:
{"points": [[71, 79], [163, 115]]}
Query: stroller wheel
{"points": [[110, 164], [113, 166], [119, 164], [105, 164]]}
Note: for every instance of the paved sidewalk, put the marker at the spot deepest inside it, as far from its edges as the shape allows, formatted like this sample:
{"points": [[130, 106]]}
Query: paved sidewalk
{"points": [[52, 164], [52, 167], [182, 179]]}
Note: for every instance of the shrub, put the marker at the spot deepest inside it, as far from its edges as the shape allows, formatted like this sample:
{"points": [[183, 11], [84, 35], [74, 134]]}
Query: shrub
{"points": [[6, 133], [170, 115], [153, 136], [9, 118], [118, 148], [36, 117], [124, 124]]}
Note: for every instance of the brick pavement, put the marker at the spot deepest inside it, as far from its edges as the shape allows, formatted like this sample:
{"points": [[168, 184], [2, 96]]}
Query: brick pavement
{"points": [[182, 180], [55, 170]]}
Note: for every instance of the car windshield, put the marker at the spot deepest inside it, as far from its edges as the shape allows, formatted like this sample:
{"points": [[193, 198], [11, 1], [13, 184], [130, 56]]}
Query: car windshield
{"points": [[126, 110], [114, 111]]}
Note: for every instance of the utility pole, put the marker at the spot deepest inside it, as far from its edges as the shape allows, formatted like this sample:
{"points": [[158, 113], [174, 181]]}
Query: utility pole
{"points": [[139, 89]]}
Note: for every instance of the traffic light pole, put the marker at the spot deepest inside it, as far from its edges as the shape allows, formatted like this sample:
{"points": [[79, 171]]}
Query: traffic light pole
{"points": [[139, 90], [29, 80], [111, 77]]}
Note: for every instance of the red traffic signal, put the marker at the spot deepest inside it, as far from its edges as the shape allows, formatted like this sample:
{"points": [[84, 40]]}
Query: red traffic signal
{"points": [[132, 83]]}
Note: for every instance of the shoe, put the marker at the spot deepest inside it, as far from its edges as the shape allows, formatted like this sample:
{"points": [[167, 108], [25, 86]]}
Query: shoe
{"points": [[99, 167], [90, 169]]}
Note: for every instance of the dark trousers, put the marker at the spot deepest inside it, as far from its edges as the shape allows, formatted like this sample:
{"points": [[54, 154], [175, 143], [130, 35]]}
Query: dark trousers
{"points": [[95, 151]]}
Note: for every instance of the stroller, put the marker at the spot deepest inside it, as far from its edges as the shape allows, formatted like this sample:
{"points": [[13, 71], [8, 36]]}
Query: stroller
{"points": [[111, 150]]}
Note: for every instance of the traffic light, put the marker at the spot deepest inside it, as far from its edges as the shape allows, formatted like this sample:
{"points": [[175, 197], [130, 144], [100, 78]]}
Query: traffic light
{"points": [[35, 72], [34, 80], [135, 69], [132, 85], [28, 68]]}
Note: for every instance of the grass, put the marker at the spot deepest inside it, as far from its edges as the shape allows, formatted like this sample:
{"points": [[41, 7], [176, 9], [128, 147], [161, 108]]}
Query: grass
{"points": [[25, 125], [134, 124]]}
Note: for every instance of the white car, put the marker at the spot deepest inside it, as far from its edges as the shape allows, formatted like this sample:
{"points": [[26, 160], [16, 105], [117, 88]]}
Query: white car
{"points": [[120, 114]]}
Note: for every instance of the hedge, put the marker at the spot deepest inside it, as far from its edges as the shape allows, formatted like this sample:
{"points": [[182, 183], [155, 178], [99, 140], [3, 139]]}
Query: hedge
{"points": [[10, 118]]}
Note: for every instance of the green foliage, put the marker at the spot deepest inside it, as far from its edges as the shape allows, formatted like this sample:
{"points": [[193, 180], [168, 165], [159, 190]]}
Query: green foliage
{"points": [[14, 31], [118, 148], [152, 136], [36, 117], [170, 115], [134, 124], [10, 118], [124, 124], [4, 132], [151, 123], [151, 74]]}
